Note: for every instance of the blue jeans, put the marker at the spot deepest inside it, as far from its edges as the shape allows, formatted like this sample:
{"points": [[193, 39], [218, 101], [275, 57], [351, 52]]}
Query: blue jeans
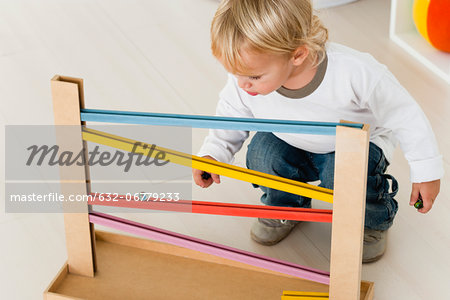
{"points": [[267, 153]]}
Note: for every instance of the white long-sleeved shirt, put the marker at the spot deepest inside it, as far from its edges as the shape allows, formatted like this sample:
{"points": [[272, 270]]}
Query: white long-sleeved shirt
{"points": [[349, 85]]}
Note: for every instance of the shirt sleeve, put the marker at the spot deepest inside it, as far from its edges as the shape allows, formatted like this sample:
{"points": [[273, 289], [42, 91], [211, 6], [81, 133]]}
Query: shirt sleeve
{"points": [[220, 143], [395, 109]]}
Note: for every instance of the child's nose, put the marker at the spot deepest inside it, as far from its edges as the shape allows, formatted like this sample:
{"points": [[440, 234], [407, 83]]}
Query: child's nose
{"points": [[244, 84]]}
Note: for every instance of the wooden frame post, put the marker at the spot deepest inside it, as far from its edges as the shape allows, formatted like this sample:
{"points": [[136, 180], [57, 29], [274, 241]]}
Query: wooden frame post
{"points": [[349, 203], [68, 98]]}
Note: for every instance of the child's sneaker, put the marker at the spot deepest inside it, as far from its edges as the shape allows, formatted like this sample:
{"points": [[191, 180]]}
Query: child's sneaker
{"points": [[374, 245], [270, 231]]}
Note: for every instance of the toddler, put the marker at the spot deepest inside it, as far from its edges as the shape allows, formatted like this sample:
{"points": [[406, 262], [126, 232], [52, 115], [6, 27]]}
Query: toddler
{"points": [[281, 66]]}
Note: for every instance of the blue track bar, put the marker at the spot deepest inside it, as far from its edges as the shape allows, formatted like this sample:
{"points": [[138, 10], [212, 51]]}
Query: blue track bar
{"points": [[248, 124]]}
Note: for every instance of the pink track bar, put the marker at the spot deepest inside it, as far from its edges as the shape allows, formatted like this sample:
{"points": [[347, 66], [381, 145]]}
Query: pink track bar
{"points": [[209, 247]]}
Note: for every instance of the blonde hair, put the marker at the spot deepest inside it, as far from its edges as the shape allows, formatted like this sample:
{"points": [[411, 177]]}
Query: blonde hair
{"points": [[266, 26]]}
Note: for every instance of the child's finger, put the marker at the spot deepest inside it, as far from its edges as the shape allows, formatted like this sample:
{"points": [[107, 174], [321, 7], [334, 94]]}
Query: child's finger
{"points": [[427, 205], [215, 178], [414, 196], [207, 183]]}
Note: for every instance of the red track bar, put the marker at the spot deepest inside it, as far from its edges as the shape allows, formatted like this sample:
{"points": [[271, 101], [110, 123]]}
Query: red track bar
{"points": [[216, 208]]}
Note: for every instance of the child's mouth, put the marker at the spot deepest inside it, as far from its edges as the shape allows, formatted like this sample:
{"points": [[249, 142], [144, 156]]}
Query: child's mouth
{"points": [[252, 94]]}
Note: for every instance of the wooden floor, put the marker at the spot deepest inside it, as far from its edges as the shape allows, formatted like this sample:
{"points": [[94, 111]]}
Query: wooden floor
{"points": [[154, 56]]}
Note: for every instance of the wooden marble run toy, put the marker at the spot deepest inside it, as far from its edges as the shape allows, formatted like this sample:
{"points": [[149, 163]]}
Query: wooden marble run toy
{"points": [[168, 265]]}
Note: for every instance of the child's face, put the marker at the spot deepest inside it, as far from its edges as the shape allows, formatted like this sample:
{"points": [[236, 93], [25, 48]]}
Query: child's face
{"points": [[266, 72]]}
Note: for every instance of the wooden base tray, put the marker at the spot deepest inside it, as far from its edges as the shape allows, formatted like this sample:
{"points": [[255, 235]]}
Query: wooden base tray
{"points": [[134, 268]]}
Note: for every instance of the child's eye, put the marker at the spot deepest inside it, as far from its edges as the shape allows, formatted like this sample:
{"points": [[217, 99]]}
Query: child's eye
{"points": [[255, 77]]}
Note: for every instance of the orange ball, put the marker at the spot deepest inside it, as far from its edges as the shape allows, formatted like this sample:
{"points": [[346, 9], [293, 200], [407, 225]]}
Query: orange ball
{"points": [[432, 19]]}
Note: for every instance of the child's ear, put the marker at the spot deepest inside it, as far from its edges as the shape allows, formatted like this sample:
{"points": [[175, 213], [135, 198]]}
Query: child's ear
{"points": [[299, 55]]}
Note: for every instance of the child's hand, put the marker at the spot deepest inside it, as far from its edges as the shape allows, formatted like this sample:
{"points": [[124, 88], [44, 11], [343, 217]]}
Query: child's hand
{"points": [[428, 191], [205, 180]]}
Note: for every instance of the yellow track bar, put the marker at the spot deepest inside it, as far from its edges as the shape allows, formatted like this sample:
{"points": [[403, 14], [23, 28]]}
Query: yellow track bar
{"points": [[297, 295], [211, 166]]}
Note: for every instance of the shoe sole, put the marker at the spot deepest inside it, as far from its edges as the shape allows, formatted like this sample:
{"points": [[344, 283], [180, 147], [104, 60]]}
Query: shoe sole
{"points": [[371, 260]]}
